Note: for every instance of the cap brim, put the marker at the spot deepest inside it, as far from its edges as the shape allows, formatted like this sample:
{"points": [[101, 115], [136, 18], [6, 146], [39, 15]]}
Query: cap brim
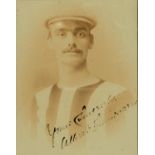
{"points": [[89, 21]]}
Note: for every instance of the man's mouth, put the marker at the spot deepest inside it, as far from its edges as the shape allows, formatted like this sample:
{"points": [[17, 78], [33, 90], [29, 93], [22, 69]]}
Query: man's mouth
{"points": [[76, 51]]}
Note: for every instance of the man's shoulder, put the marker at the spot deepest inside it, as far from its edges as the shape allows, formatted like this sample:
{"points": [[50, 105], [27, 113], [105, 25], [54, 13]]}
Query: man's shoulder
{"points": [[118, 97], [110, 88], [44, 90], [107, 91], [114, 90], [43, 95]]}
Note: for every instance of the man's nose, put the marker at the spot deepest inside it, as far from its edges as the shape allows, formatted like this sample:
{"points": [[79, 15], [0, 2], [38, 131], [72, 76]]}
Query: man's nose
{"points": [[71, 41]]}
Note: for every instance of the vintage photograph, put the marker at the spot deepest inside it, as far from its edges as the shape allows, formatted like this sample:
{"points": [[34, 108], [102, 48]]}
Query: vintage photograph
{"points": [[76, 77]]}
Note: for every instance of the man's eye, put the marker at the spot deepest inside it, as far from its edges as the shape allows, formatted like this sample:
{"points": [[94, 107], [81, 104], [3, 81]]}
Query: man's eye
{"points": [[81, 34], [61, 34]]}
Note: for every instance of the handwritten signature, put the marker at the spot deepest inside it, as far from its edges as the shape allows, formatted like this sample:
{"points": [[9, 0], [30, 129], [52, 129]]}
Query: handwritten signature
{"points": [[65, 141]]}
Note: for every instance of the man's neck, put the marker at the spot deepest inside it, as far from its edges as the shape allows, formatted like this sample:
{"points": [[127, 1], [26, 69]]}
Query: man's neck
{"points": [[75, 76]]}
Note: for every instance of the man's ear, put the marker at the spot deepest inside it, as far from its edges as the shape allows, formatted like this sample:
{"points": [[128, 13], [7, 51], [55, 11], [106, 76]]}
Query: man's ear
{"points": [[49, 41], [91, 41]]}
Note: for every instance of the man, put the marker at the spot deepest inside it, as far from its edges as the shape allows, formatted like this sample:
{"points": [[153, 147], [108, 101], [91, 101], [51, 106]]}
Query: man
{"points": [[79, 104]]}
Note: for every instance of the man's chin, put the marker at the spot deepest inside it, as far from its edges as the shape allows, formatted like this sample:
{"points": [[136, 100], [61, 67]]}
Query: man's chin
{"points": [[73, 62]]}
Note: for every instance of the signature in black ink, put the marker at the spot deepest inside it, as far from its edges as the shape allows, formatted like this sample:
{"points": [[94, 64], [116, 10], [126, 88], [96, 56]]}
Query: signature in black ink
{"points": [[98, 121]]}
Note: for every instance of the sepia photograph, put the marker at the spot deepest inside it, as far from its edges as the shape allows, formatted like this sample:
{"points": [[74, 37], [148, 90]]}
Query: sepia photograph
{"points": [[76, 77]]}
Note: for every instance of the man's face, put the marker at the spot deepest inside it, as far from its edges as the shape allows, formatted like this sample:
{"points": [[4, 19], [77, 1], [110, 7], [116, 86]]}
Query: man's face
{"points": [[71, 41]]}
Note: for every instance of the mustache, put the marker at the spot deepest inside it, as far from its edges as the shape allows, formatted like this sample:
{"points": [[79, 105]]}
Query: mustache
{"points": [[72, 51]]}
